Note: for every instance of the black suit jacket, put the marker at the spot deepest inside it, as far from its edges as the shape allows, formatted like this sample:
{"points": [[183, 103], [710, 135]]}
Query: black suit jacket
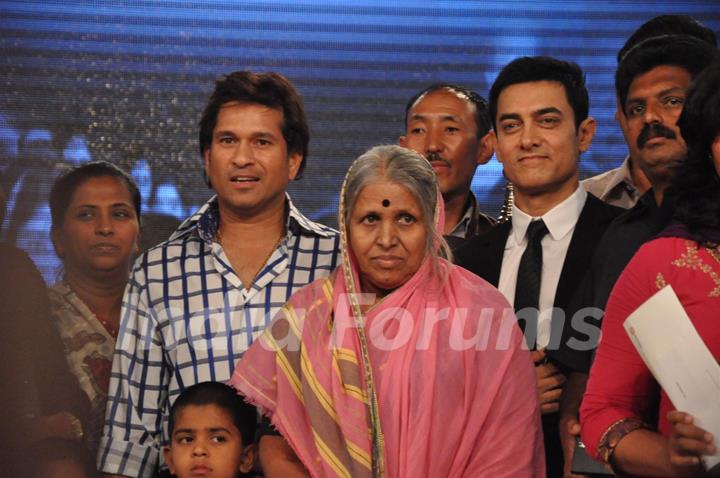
{"points": [[483, 255]]}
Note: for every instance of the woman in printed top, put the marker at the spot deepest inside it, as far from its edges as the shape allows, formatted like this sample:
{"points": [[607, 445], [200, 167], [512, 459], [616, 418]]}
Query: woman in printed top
{"points": [[95, 211]]}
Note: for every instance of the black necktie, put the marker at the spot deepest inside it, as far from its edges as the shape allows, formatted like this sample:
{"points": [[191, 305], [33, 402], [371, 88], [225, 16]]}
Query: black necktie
{"points": [[527, 288]]}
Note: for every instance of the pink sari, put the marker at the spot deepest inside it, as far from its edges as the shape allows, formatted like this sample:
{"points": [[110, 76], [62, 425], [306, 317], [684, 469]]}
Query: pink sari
{"points": [[432, 381]]}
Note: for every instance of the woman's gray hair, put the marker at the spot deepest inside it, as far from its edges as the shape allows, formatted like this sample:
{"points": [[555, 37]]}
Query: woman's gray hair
{"points": [[405, 168]]}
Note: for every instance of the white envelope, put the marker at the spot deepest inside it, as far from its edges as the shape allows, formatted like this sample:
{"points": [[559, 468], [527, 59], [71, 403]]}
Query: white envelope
{"points": [[679, 360]]}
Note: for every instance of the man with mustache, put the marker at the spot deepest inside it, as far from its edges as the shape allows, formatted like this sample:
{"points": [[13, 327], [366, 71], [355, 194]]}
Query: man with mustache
{"points": [[651, 83], [450, 126], [539, 108], [623, 186]]}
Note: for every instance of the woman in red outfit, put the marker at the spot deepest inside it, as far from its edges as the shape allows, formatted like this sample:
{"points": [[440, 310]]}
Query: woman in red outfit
{"points": [[627, 420]]}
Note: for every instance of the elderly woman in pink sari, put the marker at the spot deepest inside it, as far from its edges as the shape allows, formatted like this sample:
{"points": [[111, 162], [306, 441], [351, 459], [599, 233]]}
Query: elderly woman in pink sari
{"points": [[399, 364]]}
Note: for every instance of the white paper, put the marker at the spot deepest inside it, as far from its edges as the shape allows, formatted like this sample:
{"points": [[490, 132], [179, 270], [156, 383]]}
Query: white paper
{"points": [[679, 360]]}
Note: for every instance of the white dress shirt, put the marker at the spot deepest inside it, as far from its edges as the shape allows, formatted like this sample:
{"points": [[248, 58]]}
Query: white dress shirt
{"points": [[560, 221]]}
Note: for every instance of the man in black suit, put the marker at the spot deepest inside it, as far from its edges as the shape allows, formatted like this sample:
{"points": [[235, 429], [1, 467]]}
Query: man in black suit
{"points": [[539, 108]]}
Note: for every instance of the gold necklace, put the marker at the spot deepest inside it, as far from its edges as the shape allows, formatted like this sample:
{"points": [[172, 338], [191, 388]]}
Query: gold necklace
{"points": [[218, 237]]}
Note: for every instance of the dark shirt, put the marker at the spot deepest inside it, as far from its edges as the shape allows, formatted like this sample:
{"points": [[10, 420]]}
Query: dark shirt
{"points": [[33, 368], [621, 240], [34, 373], [473, 223]]}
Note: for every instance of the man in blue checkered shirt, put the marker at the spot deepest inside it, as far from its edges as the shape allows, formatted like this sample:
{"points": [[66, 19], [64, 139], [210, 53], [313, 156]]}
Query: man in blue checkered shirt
{"points": [[195, 302]]}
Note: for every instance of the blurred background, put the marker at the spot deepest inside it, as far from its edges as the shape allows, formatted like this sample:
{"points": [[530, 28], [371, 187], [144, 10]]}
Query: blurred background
{"points": [[126, 81]]}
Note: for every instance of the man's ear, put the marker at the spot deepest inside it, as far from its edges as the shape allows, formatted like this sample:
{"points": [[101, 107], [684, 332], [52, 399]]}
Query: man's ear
{"points": [[586, 132], [486, 149], [619, 114], [402, 141], [167, 454], [206, 159], [206, 166], [493, 141], [247, 461], [295, 160]]}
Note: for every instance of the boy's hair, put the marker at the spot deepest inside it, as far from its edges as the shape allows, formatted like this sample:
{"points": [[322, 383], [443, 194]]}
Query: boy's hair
{"points": [[529, 69], [482, 119], [243, 415], [684, 51], [268, 89]]}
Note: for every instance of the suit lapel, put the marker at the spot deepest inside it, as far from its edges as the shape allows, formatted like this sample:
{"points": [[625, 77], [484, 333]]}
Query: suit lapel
{"points": [[590, 226], [492, 251]]}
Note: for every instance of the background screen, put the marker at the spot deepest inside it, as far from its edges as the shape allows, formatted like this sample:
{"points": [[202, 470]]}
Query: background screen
{"points": [[126, 81]]}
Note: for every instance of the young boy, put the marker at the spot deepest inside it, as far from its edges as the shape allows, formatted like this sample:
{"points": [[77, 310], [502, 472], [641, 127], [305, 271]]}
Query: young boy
{"points": [[212, 433]]}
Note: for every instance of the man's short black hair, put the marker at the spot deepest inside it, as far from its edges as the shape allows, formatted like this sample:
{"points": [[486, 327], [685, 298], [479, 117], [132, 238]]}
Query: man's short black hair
{"points": [[268, 89], [668, 25], [529, 69], [684, 51], [482, 118], [244, 415]]}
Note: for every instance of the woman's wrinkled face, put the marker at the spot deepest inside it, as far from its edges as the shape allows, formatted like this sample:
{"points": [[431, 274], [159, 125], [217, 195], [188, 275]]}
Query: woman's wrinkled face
{"points": [[387, 236], [100, 228]]}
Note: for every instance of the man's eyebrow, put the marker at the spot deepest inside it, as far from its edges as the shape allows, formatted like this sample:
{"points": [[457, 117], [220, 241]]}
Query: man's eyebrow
{"points": [[221, 132], [420, 117], [672, 89], [416, 117], [224, 132], [633, 102], [263, 134], [183, 430], [509, 116], [548, 110], [450, 118]]}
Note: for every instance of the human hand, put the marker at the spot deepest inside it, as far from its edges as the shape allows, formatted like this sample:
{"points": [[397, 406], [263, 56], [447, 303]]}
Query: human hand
{"points": [[549, 383], [569, 431], [62, 425], [688, 443], [279, 460]]}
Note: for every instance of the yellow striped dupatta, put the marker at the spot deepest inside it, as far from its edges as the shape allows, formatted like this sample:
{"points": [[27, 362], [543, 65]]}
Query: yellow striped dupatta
{"points": [[448, 378], [449, 406], [310, 373], [305, 373]]}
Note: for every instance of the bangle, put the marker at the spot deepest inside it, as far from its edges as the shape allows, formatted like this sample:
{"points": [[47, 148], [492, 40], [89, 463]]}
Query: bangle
{"points": [[76, 426], [615, 433]]}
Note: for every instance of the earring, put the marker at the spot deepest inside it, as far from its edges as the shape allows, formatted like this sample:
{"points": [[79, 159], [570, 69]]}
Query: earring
{"points": [[506, 209]]}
